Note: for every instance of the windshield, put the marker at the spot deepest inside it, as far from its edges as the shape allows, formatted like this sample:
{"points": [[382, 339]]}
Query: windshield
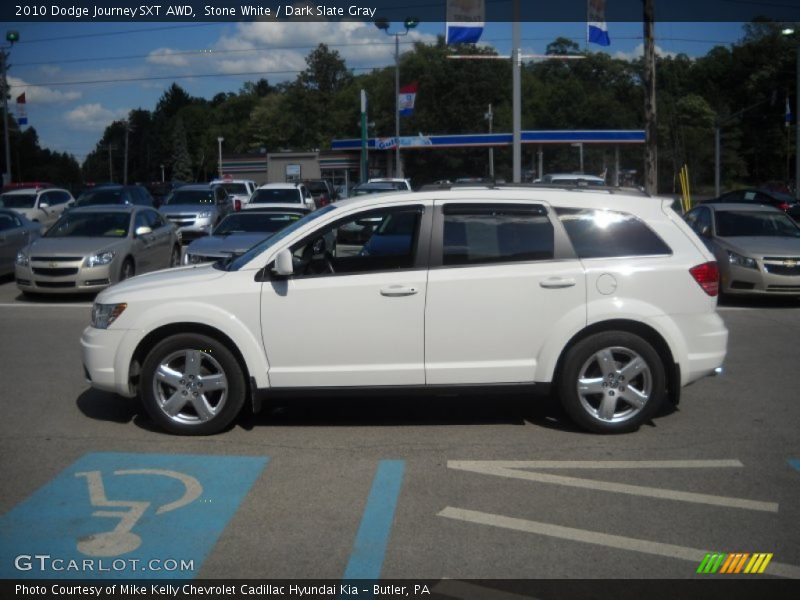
{"points": [[18, 200], [317, 187], [235, 188], [101, 196], [752, 223], [180, 196], [254, 222], [92, 224], [245, 258], [276, 196]]}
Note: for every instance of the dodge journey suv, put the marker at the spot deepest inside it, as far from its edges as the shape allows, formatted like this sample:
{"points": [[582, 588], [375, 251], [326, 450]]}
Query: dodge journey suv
{"points": [[608, 298]]}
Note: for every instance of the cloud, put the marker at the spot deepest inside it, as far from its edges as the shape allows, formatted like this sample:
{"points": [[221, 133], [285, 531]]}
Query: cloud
{"points": [[40, 94], [93, 117], [165, 56], [638, 52]]}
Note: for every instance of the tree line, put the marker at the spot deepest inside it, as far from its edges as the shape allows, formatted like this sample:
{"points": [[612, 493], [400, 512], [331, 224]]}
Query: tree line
{"points": [[599, 92]]}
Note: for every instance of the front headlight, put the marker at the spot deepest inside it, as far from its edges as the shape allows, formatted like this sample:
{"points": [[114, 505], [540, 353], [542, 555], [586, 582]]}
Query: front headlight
{"points": [[742, 261], [22, 259], [102, 258], [104, 315], [192, 259]]}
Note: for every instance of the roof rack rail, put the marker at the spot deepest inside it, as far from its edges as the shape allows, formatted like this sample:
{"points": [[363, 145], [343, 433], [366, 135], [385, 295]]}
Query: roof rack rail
{"points": [[552, 186]]}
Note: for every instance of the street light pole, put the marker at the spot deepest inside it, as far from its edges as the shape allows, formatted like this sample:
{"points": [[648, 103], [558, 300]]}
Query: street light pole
{"points": [[516, 99], [489, 116], [383, 25], [219, 144], [11, 37]]}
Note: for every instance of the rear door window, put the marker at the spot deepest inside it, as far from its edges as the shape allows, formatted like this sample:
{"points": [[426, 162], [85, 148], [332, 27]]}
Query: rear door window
{"points": [[608, 233]]}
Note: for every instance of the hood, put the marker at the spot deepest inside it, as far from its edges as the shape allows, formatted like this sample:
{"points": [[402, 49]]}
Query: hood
{"points": [[213, 245], [74, 246], [163, 281], [171, 209], [763, 245]]}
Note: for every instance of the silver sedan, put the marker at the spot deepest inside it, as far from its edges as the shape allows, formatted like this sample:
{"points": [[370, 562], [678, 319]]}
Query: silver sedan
{"points": [[16, 232], [756, 246]]}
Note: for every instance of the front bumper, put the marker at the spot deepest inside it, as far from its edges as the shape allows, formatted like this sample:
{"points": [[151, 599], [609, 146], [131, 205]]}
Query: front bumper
{"points": [[742, 280], [99, 350], [63, 277]]}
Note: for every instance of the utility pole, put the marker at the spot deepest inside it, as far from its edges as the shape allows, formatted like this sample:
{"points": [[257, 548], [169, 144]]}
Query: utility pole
{"points": [[516, 96], [220, 139], [364, 145], [489, 116], [11, 37], [650, 122], [125, 167], [110, 163]]}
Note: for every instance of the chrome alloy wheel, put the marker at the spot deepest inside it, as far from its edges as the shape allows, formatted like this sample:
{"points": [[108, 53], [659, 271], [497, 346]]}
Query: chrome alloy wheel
{"points": [[614, 384], [190, 386]]}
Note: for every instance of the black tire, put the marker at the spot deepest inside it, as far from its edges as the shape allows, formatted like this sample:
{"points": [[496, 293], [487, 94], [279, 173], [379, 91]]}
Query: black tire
{"points": [[224, 405], [608, 410], [175, 257], [127, 270]]}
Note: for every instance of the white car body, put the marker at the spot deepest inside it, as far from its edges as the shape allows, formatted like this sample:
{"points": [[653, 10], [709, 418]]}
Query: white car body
{"points": [[301, 193], [238, 189], [49, 205], [504, 323], [401, 183]]}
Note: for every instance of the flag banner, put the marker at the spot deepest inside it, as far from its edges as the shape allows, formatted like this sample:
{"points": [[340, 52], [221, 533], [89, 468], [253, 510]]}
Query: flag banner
{"points": [[465, 19], [405, 101], [597, 31], [787, 116], [21, 112]]}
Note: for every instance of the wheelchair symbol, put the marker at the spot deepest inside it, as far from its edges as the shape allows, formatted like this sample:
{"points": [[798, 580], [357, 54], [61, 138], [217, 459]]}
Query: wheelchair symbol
{"points": [[121, 539]]}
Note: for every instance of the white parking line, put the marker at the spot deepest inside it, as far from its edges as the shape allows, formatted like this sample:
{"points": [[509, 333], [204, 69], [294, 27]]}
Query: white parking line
{"points": [[512, 469], [42, 305], [601, 539]]}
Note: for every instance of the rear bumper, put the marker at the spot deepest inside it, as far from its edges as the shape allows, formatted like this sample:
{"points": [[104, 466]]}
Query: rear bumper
{"points": [[705, 343]]}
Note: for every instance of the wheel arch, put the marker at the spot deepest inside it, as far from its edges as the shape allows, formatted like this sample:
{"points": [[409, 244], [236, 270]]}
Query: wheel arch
{"points": [[643, 330]]}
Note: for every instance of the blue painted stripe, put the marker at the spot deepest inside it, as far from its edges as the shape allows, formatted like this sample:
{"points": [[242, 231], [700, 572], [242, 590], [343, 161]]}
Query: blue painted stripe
{"points": [[369, 549], [795, 462]]}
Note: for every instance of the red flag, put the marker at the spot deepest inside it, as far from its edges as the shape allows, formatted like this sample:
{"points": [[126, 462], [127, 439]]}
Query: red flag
{"points": [[21, 98]]}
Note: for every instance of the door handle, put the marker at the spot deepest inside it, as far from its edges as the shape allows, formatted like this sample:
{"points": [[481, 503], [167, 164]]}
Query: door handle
{"points": [[555, 283], [396, 291]]}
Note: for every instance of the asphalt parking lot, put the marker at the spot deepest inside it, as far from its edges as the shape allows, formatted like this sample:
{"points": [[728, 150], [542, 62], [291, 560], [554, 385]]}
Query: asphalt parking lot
{"points": [[478, 487]]}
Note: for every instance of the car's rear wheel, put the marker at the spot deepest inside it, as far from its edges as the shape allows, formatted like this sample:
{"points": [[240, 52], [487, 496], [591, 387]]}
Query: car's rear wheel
{"points": [[612, 382], [175, 257], [192, 384], [127, 270]]}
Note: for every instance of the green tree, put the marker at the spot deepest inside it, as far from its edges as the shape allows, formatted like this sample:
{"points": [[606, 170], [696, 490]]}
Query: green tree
{"points": [[181, 160]]}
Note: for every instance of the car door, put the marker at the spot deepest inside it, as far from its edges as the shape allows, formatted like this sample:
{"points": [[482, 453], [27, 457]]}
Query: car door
{"points": [[500, 282], [48, 208], [143, 247], [162, 239], [352, 315], [13, 236]]}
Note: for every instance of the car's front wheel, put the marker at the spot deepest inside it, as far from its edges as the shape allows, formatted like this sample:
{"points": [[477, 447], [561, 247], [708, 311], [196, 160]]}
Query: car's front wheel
{"points": [[192, 384], [612, 382]]}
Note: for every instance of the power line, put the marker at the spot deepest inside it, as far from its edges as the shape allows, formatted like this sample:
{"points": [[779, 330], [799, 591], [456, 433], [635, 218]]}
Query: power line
{"points": [[117, 32]]}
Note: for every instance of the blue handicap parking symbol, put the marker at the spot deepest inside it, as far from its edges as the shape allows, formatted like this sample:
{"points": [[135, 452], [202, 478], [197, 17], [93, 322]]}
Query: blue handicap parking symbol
{"points": [[116, 515]]}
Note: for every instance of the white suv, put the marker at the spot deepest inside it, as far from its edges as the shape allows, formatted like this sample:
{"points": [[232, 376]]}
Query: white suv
{"points": [[608, 297]]}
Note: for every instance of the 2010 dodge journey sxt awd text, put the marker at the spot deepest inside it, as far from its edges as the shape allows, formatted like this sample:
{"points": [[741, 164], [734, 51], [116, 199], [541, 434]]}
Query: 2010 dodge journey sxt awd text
{"points": [[610, 297]]}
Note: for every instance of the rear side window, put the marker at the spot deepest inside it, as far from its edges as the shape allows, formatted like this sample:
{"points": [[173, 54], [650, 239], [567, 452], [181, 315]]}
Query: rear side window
{"points": [[608, 233], [478, 234]]}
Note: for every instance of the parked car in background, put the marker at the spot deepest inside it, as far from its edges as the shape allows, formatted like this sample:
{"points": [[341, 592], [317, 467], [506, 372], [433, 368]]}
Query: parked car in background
{"points": [[19, 185], [757, 246], [40, 205], [322, 191], [159, 190], [195, 209], [108, 194], [239, 190], [396, 182], [508, 289], [779, 200], [375, 187], [292, 194], [92, 247], [576, 179], [240, 231], [16, 232]]}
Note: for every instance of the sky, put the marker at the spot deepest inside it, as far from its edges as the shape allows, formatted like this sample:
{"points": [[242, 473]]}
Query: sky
{"points": [[136, 62]]}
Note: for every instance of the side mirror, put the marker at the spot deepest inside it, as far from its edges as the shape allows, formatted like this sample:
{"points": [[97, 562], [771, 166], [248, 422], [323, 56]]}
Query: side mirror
{"points": [[44, 204], [283, 263], [143, 230], [705, 231]]}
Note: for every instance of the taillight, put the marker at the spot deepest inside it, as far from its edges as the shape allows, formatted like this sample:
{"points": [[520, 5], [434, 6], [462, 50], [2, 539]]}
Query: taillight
{"points": [[237, 204], [707, 277], [324, 200], [784, 206]]}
